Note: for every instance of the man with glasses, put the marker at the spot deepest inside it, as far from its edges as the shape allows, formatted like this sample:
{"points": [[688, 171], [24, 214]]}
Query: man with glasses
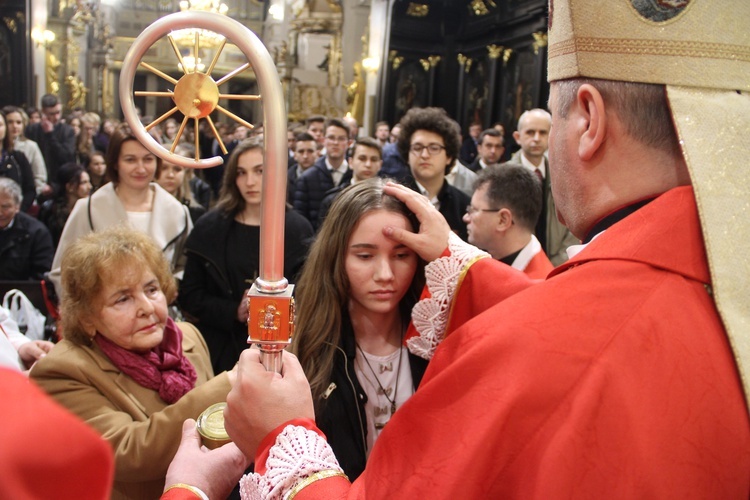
{"points": [[55, 138], [430, 141], [504, 209], [328, 172]]}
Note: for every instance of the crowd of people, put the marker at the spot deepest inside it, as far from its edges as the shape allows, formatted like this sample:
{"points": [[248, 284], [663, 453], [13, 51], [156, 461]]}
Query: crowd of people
{"points": [[103, 207], [470, 322]]}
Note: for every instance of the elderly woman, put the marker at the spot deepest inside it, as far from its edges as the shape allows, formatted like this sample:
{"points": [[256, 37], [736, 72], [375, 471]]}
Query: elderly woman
{"points": [[124, 366]]}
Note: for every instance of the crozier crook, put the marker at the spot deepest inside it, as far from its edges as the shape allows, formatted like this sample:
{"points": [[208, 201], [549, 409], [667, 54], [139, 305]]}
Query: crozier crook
{"points": [[196, 95]]}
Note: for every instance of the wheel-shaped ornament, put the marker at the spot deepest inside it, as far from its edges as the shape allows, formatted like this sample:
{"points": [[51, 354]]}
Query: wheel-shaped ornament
{"points": [[197, 94]]}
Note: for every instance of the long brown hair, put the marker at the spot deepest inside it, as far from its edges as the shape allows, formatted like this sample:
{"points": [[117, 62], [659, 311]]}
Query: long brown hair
{"points": [[231, 201], [322, 293]]}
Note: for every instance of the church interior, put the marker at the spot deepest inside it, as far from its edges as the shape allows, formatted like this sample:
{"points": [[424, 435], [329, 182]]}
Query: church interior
{"points": [[483, 61]]}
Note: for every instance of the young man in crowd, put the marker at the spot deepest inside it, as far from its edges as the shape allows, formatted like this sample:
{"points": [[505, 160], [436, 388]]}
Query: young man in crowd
{"points": [[365, 164], [328, 171], [305, 154]]}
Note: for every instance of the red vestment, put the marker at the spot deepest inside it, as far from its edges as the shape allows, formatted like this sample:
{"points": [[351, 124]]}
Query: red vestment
{"points": [[46, 451], [539, 266], [611, 379]]}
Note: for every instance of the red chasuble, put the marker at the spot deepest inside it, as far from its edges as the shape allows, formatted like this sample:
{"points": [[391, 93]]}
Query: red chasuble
{"points": [[611, 379]]}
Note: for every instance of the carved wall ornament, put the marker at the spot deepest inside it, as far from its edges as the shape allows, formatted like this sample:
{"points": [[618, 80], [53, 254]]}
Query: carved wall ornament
{"points": [[465, 62], [540, 40], [434, 60], [397, 61], [12, 23], [335, 5], [506, 55], [425, 64], [495, 50], [481, 7], [417, 9]]}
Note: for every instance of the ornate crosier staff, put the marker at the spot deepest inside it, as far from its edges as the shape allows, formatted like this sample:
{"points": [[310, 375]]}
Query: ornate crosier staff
{"points": [[196, 95]]}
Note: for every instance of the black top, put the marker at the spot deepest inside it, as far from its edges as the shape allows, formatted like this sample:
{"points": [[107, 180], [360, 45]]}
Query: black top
{"points": [[58, 146], [341, 416], [453, 203], [14, 165], [311, 188], [25, 249], [54, 214], [222, 262]]}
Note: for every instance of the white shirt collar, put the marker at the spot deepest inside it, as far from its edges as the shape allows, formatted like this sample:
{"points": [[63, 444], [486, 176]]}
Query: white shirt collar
{"points": [[527, 253], [342, 168], [574, 250], [435, 202], [526, 163]]}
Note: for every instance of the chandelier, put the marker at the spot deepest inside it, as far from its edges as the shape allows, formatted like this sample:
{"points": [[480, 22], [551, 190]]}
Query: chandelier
{"points": [[209, 39]]}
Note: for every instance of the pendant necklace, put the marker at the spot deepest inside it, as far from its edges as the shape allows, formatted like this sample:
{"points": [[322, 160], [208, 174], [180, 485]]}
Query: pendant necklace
{"points": [[380, 386]]}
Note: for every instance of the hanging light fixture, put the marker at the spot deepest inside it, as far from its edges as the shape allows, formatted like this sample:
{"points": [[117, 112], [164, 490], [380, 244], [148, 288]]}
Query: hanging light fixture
{"points": [[209, 39]]}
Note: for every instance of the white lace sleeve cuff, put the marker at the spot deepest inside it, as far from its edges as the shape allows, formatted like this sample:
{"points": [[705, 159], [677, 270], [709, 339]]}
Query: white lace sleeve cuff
{"points": [[297, 454], [430, 316]]}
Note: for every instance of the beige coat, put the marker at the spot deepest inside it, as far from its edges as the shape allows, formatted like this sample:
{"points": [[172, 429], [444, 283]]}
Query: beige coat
{"points": [[169, 227], [143, 430]]}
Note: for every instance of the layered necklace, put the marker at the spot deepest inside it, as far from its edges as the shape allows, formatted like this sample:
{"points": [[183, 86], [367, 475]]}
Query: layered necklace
{"points": [[388, 407]]}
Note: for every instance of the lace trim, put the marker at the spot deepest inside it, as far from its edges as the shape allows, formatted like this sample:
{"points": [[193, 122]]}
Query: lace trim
{"points": [[297, 454], [430, 316]]}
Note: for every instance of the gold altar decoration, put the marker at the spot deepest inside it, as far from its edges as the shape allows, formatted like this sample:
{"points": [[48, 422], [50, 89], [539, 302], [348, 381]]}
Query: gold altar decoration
{"points": [[494, 51], [417, 9], [356, 94], [481, 7], [540, 40]]}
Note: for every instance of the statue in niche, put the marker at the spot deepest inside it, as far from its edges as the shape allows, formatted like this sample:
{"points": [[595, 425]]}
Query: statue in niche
{"points": [[355, 94], [50, 73], [280, 53], [77, 91]]}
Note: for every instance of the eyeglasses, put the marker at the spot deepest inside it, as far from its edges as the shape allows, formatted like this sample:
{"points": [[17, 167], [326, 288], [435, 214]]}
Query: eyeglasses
{"points": [[470, 210], [336, 139], [433, 149]]}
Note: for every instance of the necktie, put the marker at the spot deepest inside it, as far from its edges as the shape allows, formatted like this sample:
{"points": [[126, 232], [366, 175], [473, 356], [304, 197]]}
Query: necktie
{"points": [[539, 176]]}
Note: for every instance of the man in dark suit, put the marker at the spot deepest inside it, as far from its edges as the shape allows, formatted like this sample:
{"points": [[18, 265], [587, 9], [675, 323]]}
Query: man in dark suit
{"points": [[490, 150], [328, 171], [305, 153]]}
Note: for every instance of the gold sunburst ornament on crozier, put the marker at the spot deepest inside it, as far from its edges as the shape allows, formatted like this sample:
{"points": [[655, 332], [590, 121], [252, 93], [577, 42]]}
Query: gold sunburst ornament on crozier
{"points": [[196, 93]]}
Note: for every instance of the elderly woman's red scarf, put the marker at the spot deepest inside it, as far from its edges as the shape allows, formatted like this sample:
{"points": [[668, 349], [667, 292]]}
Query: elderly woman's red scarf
{"points": [[164, 368]]}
